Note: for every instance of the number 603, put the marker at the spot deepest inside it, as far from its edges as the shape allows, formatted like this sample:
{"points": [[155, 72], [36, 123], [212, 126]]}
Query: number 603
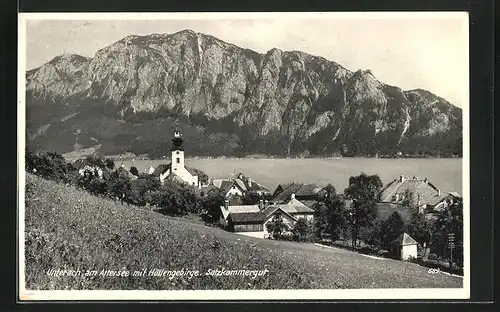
{"points": [[433, 271]]}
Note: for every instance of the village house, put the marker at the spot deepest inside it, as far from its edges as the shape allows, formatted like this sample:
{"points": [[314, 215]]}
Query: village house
{"points": [[306, 193], [176, 170], [404, 247], [83, 167], [240, 185], [417, 191], [253, 219]]}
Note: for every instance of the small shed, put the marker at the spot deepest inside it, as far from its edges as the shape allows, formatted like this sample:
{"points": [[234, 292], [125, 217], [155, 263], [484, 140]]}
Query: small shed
{"points": [[405, 247]]}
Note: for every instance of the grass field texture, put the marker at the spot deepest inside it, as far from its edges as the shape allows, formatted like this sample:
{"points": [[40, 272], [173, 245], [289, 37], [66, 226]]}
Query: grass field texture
{"points": [[67, 228]]}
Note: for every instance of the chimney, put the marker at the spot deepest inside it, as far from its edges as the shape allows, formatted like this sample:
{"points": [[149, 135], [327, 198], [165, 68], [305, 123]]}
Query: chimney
{"points": [[293, 196], [439, 192], [401, 178], [397, 197], [226, 204], [266, 203], [426, 181], [249, 181], [261, 204], [240, 176]]}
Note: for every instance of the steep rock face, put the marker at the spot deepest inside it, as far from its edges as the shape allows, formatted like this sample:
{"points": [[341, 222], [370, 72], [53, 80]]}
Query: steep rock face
{"points": [[60, 78], [279, 102]]}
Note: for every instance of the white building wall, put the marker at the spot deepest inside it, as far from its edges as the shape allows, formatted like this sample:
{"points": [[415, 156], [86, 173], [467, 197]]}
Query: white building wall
{"points": [[408, 252], [183, 174], [234, 191], [308, 217], [177, 156]]}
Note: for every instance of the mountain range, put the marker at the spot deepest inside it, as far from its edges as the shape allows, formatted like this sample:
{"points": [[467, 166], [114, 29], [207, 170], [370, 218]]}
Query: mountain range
{"points": [[228, 100]]}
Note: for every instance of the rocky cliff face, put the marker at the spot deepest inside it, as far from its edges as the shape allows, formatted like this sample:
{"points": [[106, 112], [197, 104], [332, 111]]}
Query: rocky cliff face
{"points": [[228, 100]]}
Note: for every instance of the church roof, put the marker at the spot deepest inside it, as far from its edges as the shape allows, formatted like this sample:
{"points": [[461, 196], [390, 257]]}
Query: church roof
{"points": [[191, 171], [160, 169]]}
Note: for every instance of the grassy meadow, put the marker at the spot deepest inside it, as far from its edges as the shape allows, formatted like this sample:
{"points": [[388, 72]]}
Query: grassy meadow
{"points": [[67, 228], [445, 173]]}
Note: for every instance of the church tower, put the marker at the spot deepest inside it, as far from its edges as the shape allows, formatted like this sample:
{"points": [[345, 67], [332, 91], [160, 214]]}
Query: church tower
{"points": [[177, 153]]}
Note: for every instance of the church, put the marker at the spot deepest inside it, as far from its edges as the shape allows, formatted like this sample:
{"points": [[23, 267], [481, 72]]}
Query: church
{"points": [[176, 170]]}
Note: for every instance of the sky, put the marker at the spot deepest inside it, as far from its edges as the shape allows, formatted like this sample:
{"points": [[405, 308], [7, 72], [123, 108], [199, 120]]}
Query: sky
{"points": [[409, 50]]}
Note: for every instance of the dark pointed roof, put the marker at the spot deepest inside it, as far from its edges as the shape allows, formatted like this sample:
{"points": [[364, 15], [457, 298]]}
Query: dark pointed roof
{"points": [[404, 240], [298, 189], [160, 169]]}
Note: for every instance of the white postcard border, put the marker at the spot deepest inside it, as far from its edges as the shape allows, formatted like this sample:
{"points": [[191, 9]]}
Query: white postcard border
{"points": [[175, 295]]}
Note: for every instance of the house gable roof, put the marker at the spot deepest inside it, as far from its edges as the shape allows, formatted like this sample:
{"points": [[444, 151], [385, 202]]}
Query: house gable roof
{"points": [[270, 210], [242, 182], [423, 190], [404, 240], [239, 209], [294, 206], [246, 217], [298, 189]]}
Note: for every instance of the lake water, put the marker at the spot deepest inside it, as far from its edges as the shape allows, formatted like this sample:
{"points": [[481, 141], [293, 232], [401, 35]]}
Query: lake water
{"points": [[444, 173]]}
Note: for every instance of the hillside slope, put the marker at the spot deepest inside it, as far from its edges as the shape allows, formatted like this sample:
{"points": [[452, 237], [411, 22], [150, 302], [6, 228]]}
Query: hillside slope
{"points": [[228, 100], [68, 228]]}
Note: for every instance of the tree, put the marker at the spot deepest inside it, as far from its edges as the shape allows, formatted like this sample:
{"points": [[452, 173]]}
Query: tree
{"points": [[211, 204], [96, 160], [49, 165], [330, 213], [134, 171], [372, 235], [364, 191], [109, 163], [142, 190], [390, 229], [449, 220], [276, 227], [119, 184], [302, 230], [176, 199], [418, 227]]}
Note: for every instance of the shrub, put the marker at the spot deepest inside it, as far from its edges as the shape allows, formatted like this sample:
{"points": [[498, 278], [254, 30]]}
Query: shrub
{"points": [[302, 231], [49, 165], [211, 204], [277, 228], [134, 171]]}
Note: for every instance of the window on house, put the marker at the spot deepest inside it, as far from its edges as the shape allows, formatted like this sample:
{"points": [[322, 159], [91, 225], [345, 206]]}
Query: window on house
{"points": [[177, 152], [178, 160]]}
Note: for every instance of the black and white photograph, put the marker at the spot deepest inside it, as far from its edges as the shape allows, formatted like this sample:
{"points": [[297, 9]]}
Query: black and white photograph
{"points": [[233, 156]]}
